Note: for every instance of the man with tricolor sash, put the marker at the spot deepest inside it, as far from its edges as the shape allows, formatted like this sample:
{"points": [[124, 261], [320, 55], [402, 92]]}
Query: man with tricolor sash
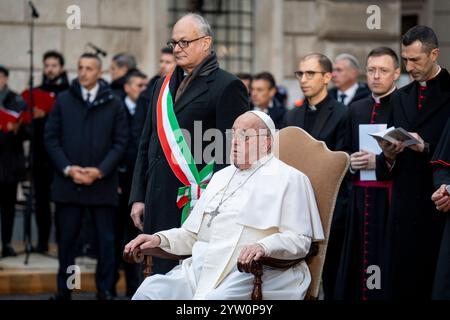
{"points": [[177, 153]]}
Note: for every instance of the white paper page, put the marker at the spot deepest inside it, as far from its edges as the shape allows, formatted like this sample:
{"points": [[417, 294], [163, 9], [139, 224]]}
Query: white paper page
{"points": [[368, 143]]}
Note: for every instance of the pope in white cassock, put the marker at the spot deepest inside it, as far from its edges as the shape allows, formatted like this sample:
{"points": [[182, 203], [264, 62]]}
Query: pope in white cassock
{"points": [[259, 206]]}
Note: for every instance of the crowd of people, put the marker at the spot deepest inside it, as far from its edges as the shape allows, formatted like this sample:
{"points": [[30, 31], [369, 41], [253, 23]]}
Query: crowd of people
{"points": [[114, 150]]}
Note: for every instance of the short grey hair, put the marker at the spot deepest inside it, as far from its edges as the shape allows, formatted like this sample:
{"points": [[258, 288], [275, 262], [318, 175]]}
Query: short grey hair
{"points": [[125, 60], [203, 25], [354, 63]]}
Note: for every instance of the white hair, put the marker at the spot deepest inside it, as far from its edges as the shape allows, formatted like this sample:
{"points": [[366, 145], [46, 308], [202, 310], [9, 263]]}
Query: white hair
{"points": [[203, 25], [354, 63]]}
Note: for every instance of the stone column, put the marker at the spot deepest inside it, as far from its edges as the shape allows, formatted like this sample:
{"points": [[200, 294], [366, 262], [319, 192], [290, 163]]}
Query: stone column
{"points": [[268, 39]]}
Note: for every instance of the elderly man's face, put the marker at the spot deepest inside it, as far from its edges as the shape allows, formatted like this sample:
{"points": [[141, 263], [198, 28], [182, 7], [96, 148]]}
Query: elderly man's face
{"points": [[117, 72], [196, 51], [344, 76], [249, 142]]}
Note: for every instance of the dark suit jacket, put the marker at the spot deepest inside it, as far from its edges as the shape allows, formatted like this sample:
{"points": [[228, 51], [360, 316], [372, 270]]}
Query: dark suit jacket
{"points": [[330, 123], [277, 113], [361, 93], [215, 101], [94, 136]]}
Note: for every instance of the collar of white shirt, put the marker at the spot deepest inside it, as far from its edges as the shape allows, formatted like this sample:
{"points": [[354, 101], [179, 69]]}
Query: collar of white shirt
{"points": [[130, 105], [424, 83], [93, 92], [350, 93]]}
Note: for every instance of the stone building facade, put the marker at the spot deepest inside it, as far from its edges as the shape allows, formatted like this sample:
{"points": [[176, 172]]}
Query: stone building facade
{"points": [[251, 35]]}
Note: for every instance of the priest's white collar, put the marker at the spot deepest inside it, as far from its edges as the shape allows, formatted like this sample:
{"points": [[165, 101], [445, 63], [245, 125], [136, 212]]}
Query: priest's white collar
{"points": [[378, 98], [424, 83]]}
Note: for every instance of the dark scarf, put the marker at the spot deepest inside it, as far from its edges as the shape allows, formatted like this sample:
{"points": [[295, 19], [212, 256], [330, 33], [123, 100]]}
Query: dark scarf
{"points": [[56, 85], [205, 68]]}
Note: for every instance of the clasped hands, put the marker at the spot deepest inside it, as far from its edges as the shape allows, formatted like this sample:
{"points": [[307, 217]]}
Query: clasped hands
{"points": [[84, 176]]}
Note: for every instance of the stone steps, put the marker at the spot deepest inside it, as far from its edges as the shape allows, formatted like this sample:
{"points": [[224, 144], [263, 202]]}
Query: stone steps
{"points": [[39, 275]]}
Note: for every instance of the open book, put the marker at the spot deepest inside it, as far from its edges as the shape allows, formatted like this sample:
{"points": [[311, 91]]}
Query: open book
{"points": [[393, 134]]}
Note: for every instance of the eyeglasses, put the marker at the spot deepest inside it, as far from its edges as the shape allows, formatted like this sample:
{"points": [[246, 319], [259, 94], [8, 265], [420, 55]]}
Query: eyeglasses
{"points": [[182, 43], [309, 74], [241, 136]]}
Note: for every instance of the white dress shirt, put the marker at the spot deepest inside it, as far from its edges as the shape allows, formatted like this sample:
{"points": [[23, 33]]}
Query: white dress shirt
{"points": [[92, 93], [350, 93]]}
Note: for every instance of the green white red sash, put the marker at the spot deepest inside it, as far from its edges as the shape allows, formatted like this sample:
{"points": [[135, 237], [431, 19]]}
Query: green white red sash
{"points": [[178, 153]]}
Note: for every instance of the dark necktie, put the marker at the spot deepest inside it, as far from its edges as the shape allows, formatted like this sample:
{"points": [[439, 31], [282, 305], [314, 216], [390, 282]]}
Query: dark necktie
{"points": [[88, 99], [342, 97]]}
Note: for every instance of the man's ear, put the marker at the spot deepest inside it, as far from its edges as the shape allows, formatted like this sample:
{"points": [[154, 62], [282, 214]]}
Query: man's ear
{"points": [[434, 54], [273, 92], [397, 74], [327, 77], [207, 43]]}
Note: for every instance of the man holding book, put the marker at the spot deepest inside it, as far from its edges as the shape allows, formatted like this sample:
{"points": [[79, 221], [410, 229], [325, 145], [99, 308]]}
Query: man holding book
{"points": [[369, 198], [414, 226]]}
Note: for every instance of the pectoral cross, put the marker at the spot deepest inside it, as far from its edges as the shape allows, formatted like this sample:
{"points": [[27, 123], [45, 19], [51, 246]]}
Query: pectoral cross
{"points": [[213, 215]]}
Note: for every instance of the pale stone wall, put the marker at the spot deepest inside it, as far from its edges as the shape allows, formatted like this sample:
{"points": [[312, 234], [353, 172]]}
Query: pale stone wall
{"points": [[135, 26], [440, 13]]}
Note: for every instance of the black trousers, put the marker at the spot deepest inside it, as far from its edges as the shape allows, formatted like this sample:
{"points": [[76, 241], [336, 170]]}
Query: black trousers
{"points": [[42, 175], [8, 194], [125, 232], [68, 226]]}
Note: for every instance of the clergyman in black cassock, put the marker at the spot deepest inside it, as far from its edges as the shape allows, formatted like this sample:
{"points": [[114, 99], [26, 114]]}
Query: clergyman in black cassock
{"points": [[368, 209], [414, 227], [359, 274]]}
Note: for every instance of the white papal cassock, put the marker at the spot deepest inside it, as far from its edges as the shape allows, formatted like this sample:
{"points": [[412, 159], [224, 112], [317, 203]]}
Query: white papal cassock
{"points": [[275, 207]]}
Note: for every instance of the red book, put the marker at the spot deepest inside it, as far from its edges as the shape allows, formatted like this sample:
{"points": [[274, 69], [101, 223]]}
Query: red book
{"points": [[8, 116], [43, 100]]}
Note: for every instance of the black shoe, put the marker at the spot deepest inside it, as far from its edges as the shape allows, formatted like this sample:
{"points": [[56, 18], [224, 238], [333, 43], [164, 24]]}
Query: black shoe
{"points": [[8, 251], [105, 296], [61, 296]]}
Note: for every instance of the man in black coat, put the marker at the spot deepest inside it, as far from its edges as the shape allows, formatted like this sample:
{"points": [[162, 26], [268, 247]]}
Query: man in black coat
{"points": [[12, 159], [86, 136], [414, 227], [345, 78], [324, 119], [205, 97], [263, 91]]}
